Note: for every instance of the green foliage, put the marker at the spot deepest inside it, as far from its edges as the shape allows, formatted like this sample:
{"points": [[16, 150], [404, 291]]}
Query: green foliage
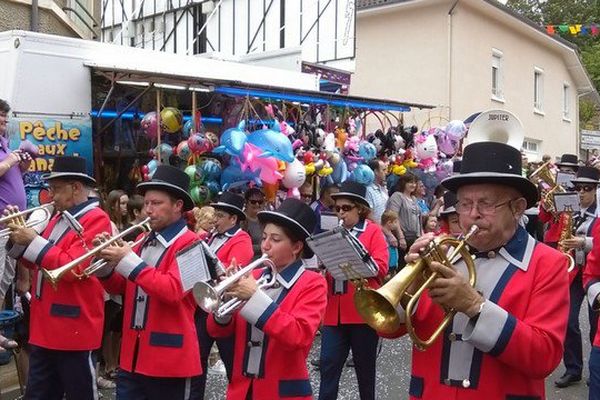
{"points": [[587, 112]]}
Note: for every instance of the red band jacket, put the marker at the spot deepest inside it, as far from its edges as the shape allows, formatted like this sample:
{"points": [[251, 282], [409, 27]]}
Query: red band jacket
{"points": [[340, 294], [235, 243], [159, 335], [274, 332], [591, 277], [553, 232], [514, 343], [70, 316]]}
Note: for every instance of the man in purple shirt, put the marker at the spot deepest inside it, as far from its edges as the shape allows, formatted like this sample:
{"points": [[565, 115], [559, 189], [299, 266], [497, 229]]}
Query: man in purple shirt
{"points": [[12, 191]]}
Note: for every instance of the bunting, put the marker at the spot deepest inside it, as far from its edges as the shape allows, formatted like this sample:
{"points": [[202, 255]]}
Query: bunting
{"points": [[574, 29]]}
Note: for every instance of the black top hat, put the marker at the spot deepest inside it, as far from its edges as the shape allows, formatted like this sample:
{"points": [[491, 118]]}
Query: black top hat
{"points": [[294, 215], [568, 160], [354, 191], [456, 167], [172, 180], [587, 175], [450, 201], [231, 203], [493, 162], [70, 167]]}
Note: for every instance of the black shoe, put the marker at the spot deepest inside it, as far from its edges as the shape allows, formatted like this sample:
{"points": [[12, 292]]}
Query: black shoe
{"points": [[350, 362], [567, 380], [587, 382]]}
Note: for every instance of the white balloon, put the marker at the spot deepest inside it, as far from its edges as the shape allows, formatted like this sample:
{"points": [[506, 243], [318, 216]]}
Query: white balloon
{"points": [[294, 175], [456, 129]]}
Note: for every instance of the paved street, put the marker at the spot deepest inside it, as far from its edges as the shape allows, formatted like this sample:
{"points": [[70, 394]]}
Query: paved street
{"points": [[393, 376]]}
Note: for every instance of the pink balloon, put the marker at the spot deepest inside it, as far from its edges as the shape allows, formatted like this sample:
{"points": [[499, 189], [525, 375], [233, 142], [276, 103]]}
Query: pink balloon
{"points": [[447, 145], [149, 125]]}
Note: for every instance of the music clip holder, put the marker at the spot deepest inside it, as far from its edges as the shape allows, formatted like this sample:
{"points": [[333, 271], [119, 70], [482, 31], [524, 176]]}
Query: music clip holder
{"points": [[343, 255]]}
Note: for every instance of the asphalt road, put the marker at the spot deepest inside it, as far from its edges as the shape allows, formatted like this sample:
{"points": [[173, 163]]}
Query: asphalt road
{"points": [[393, 374]]}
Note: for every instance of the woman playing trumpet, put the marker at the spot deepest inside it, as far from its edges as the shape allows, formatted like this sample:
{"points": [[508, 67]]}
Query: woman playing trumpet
{"points": [[275, 328]]}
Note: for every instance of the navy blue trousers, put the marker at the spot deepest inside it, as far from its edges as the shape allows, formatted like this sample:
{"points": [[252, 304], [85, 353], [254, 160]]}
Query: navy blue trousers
{"points": [[205, 341], [336, 341], [573, 355], [56, 373], [594, 365], [132, 386]]}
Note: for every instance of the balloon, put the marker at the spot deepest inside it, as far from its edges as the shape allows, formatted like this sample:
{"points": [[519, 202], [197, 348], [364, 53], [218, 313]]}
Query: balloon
{"points": [[456, 129], [183, 150], [200, 194], [198, 144], [190, 170], [149, 125], [273, 144], [233, 141], [152, 165], [340, 172], [426, 148], [213, 187], [165, 152], [188, 129], [211, 170], [363, 174], [233, 174], [294, 175], [446, 144], [444, 170], [367, 151], [170, 119]]}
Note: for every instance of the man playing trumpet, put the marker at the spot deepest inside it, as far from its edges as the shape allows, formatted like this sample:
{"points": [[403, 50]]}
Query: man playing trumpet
{"points": [[66, 320], [160, 358], [508, 330]]}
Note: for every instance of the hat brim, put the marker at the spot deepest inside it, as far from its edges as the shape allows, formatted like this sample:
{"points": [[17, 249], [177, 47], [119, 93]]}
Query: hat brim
{"points": [[351, 196], [265, 217], [70, 175], [176, 191], [522, 184], [567, 164], [448, 211], [585, 180], [230, 209]]}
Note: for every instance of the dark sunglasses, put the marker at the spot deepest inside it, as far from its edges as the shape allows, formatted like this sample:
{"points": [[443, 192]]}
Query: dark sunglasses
{"points": [[585, 188], [256, 202], [344, 208]]}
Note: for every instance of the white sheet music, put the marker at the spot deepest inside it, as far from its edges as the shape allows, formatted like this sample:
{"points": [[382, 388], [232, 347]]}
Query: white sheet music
{"points": [[564, 201], [192, 266], [564, 178], [329, 221], [342, 255]]}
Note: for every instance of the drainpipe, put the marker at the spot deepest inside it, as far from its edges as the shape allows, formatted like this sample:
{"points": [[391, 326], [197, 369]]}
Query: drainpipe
{"points": [[449, 80], [35, 16]]}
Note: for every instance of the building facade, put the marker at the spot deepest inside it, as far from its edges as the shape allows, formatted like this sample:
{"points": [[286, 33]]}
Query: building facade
{"points": [[468, 56]]}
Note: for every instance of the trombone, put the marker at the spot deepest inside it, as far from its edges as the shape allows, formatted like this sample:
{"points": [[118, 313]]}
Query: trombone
{"points": [[54, 276], [18, 218], [212, 298], [378, 307]]}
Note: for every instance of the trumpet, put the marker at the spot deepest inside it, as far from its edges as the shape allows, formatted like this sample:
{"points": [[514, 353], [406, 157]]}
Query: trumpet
{"points": [[212, 298], [19, 219], [378, 307], [54, 276]]}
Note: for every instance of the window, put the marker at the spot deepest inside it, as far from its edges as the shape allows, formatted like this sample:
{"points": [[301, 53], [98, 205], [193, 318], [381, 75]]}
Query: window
{"points": [[530, 146], [538, 90], [565, 101], [497, 93]]}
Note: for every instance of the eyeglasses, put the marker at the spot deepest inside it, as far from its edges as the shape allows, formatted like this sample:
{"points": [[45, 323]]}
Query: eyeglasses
{"points": [[306, 195], [482, 208], [585, 188], [344, 208], [256, 202]]}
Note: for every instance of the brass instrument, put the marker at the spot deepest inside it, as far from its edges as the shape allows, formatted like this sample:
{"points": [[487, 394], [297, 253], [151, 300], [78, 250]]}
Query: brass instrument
{"points": [[213, 298], [566, 233], [378, 307], [18, 218], [544, 177], [54, 276]]}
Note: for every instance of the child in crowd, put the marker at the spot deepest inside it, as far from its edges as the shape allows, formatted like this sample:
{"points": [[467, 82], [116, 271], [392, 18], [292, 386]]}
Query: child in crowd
{"points": [[431, 225], [390, 225]]}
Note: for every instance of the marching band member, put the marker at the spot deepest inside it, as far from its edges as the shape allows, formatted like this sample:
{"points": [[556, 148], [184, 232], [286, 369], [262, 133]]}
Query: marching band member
{"points": [[66, 323], [591, 282], [568, 163], [508, 331], [448, 215], [343, 328], [228, 242], [585, 184], [275, 328], [160, 358]]}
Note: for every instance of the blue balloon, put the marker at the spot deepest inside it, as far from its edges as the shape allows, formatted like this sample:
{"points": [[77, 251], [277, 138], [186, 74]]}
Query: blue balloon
{"points": [[363, 174], [340, 172], [273, 144], [213, 187], [367, 151], [211, 169], [233, 174], [188, 129]]}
